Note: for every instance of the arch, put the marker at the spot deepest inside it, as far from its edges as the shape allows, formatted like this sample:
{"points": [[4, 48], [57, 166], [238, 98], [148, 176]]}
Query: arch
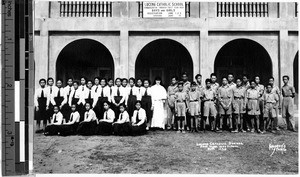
{"points": [[296, 71], [165, 58], [243, 56], [84, 57]]}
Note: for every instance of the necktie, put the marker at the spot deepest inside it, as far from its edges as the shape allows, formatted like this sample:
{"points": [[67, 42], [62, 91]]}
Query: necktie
{"points": [[42, 94], [89, 95], [105, 114], [146, 92], [131, 91], [137, 117], [96, 88], [55, 118], [110, 91], [74, 94], [140, 90], [121, 116], [70, 91], [118, 92], [102, 92], [71, 119], [58, 94], [50, 90], [87, 114], [82, 88]]}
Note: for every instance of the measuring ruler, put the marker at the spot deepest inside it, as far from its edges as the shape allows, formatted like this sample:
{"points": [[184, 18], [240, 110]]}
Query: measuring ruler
{"points": [[17, 52]]}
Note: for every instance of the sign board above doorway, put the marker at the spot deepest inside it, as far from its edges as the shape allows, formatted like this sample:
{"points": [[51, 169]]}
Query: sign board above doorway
{"points": [[163, 9]]}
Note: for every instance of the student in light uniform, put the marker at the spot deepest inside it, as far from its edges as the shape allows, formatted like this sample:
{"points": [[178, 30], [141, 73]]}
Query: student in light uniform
{"points": [[276, 90], [105, 124], [270, 103], [110, 85], [186, 88], [140, 88], [138, 126], [199, 89], [225, 105], [88, 95], [172, 89], [40, 103], [96, 85], [260, 88], [214, 84], [181, 106], [82, 86], [69, 127], [75, 98], [102, 95], [288, 93], [50, 89], [89, 125], [146, 101], [131, 96], [246, 83], [68, 89], [230, 79], [124, 82], [239, 105], [60, 98], [118, 96], [159, 96], [253, 111], [122, 126], [56, 120], [194, 106], [209, 108]]}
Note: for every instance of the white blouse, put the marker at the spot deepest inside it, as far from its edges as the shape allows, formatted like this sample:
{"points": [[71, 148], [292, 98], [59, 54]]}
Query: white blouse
{"points": [[75, 118], [141, 116], [123, 117], [109, 115], [58, 117], [89, 116]]}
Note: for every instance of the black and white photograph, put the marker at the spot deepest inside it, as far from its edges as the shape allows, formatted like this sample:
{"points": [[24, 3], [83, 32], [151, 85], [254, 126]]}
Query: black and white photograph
{"points": [[165, 87]]}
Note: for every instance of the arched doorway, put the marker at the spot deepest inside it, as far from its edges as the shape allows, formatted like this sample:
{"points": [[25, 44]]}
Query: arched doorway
{"points": [[84, 57], [164, 58], [243, 56], [295, 73]]}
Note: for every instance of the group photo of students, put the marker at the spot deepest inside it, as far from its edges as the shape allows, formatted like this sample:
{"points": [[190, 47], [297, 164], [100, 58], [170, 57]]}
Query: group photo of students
{"points": [[134, 106]]}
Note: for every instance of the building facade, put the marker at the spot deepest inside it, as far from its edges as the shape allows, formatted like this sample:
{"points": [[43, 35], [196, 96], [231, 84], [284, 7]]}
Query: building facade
{"points": [[120, 39]]}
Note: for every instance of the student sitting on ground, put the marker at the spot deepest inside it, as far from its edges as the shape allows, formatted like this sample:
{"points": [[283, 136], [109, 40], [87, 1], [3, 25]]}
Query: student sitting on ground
{"points": [[105, 124], [89, 124], [56, 120], [70, 127], [138, 126], [121, 126]]}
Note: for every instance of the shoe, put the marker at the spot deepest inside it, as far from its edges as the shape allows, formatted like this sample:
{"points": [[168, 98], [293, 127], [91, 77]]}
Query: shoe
{"points": [[178, 131], [258, 131], [182, 131], [234, 131], [219, 131], [252, 131], [277, 128], [187, 128], [248, 130], [272, 131]]}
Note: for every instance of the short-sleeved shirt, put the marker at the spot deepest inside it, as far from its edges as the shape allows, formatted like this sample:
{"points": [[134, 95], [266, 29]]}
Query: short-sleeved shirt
{"points": [[181, 96], [186, 86], [199, 88], [260, 88], [209, 94], [224, 92], [172, 89], [215, 86], [232, 85], [270, 97], [252, 94], [194, 95], [276, 90], [287, 90], [238, 91]]}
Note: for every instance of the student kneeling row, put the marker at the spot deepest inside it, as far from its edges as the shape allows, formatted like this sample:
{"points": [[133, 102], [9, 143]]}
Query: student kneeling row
{"points": [[91, 125]]}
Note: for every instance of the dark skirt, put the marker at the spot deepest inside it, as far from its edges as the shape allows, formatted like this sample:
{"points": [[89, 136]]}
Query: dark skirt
{"points": [[52, 130], [117, 108], [147, 104], [122, 129], [104, 128], [87, 128], [131, 105], [66, 130], [41, 114], [50, 112], [99, 109], [138, 130]]}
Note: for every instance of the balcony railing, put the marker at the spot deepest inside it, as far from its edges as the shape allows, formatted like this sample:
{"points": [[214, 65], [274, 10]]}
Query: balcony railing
{"points": [[242, 9], [85, 9]]}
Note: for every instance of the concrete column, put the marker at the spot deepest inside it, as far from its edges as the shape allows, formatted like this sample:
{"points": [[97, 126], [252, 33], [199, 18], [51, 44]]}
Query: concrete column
{"points": [[283, 10], [206, 66], [123, 67], [285, 64]]}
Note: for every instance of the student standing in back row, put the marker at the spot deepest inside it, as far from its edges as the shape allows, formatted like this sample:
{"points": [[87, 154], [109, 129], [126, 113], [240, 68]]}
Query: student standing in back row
{"points": [[260, 88], [118, 96], [60, 98], [146, 101], [194, 106], [199, 89], [172, 89], [181, 106], [239, 105], [209, 108], [252, 96], [50, 89], [101, 95], [276, 90], [288, 93], [75, 98], [131, 96], [40, 103]]}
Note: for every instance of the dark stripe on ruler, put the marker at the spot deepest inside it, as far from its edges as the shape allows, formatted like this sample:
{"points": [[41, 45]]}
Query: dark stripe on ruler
{"points": [[17, 36], [17, 142]]}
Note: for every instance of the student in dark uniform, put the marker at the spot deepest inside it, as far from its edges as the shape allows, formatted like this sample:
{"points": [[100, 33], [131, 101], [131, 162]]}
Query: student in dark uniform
{"points": [[76, 99], [122, 125], [60, 97], [40, 101], [118, 96], [100, 97], [70, 127], [146, 101], [56, 120], [138, 126], [110, 85], [89, 125], [68, 89], [124, 82], [88, 94], [131, 95], [139, 87], [83, 82], [105, 124]]}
